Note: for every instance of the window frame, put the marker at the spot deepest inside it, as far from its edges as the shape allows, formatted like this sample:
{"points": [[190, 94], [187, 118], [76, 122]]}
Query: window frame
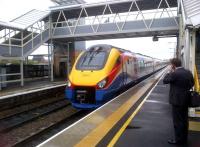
{"points": [[92, 69]]}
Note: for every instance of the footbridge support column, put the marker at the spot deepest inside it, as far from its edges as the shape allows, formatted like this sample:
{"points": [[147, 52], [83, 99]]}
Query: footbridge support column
{"points": [[187, 49], [22, 72], [52, 60]]}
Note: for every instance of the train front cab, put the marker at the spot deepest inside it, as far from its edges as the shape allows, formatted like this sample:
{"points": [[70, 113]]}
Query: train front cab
{"points": [[88, 86]]}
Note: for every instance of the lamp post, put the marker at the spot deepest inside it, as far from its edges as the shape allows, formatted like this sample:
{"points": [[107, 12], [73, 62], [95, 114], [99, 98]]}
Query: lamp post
{"points": [[68, 61]]}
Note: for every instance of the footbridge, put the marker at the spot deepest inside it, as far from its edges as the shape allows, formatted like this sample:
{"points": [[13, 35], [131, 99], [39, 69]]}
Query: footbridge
{"points": [[116, 19]]}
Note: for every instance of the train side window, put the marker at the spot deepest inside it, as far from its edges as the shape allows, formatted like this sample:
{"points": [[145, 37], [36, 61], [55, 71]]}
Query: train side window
{"points": [[118, 61]]}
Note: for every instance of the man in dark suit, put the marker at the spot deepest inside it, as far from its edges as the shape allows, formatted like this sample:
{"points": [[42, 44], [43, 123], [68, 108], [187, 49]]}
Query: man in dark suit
{"points": [[181, 81]]}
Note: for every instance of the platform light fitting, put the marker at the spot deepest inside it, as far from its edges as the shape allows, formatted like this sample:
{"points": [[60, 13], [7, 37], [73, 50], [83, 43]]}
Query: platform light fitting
{"points": [[155, 38]]}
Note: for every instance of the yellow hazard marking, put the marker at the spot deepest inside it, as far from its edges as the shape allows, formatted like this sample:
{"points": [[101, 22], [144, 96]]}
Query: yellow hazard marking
{"points": [[197, 112], [119, 133], [95, 136], [98, 133], [194, 126]]}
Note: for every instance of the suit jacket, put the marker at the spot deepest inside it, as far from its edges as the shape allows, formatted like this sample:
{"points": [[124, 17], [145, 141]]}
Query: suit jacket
{"points": [[181, 81]]}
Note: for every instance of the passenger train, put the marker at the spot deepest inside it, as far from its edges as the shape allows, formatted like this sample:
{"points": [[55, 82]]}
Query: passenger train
{"points": [[102, 70]]}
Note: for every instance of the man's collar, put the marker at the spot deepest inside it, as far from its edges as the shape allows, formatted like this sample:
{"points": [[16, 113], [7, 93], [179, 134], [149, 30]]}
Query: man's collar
{"points": [[179, 67]]}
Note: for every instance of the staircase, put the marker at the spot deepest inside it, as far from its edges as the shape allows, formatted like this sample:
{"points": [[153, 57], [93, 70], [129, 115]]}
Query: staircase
{"points": [[18, 37], [17, 47], [32, 33]]}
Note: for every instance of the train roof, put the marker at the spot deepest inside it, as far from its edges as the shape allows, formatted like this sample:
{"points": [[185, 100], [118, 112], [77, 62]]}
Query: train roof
{"points": [[98, 47], [147, 57], [108, 47]]}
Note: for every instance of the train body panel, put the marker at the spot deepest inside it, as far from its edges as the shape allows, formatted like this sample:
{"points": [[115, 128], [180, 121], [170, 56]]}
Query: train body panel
{"points": [[103, 70]]}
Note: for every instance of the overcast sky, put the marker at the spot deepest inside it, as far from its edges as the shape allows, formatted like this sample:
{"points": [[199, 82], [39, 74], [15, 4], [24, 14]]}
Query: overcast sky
{"points": [[162, 49], [10, 9]]}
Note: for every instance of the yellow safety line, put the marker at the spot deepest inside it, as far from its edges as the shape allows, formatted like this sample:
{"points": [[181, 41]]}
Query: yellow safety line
{"points": [[196, 80], [119, 133], [197, 112], [93, 138], [194, 126], [100, 131]]}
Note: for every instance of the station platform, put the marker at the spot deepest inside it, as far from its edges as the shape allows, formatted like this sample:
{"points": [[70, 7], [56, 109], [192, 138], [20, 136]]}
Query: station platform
{"points": [[152, 126], [139, 117], [30, 87]]}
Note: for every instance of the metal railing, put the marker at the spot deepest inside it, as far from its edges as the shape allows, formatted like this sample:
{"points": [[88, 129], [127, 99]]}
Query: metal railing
{"points": [[9, 81], [30, 72], [111, 18], [35, 31], [6, 36]]}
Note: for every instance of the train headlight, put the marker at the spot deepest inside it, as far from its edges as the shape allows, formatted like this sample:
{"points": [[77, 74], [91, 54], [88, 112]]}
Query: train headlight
{"points": [[69, 84], [102, 83]]}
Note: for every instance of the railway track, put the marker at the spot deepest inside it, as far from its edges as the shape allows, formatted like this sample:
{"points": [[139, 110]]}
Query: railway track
{"points": [[29, 123], [26, 107], [32, 123]]}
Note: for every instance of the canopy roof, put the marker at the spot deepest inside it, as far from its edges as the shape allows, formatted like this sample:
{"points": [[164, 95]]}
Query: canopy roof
{"points": [[192, 11], [24, 21]]}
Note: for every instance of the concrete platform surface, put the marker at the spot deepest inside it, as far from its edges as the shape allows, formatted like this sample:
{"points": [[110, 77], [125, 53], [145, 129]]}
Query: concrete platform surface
{"points": [[152, 126], [30, 87]]}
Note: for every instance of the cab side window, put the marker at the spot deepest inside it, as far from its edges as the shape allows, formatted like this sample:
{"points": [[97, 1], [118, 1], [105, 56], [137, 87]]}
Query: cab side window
{"points": [[118, 61]]}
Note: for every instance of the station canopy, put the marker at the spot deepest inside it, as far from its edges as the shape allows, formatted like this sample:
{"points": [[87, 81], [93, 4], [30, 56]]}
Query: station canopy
{"points": [[24, 21], [192, 10], [10, 25]]}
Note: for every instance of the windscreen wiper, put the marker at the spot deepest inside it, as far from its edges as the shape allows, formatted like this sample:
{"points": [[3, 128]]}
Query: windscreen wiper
{"points": [[88, 53], [91, 57]]}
